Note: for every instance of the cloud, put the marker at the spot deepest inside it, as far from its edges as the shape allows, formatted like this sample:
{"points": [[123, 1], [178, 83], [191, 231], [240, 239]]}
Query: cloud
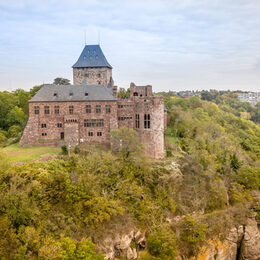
{"points": [[170, 43]]}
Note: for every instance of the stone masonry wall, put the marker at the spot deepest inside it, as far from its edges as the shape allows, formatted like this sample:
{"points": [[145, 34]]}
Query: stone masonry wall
{"points": [[71, 125], [94, 76]]}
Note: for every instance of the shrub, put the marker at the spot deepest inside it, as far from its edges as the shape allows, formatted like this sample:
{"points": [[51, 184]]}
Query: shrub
{"points": [[76, 149], [64, 149], [162, 244], [14, 131], [169, 153], [193, 234]]}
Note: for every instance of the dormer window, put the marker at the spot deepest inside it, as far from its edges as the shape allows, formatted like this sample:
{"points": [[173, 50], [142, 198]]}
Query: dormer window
{"points": [[96, 57], [94, 51], [71, 94], [84, 57], [90, 57], [88, 51], [86, 94]]}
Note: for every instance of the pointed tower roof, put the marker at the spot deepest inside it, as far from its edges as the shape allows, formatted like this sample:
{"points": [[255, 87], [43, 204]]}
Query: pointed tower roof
{"points": [[92, 56]]}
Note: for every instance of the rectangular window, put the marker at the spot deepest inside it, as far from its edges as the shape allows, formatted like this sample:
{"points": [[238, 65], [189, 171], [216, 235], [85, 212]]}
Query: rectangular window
{"points": [[43, 125], [46, 110], [98, 109], [137, 121], [71, 110], [56, 110], [146, 121], [36, 110], [90, 134], [108, 109], [99, 133], [93, 122], [59, 125], [100, 122], [88, 109]]}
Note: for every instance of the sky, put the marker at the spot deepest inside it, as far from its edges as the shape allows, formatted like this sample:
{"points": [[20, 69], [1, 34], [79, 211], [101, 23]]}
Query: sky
{"points": [[171, 45]]}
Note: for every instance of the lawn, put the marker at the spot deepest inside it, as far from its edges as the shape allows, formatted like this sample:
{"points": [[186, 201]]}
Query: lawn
{"points": [[14, 153]]}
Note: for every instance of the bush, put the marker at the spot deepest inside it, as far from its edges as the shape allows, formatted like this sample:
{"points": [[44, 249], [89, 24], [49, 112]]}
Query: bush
{"points": [[193, 234], [162, 245], [64, 149], [76, 149], [169, 153], [2, 138], [14, 131]]}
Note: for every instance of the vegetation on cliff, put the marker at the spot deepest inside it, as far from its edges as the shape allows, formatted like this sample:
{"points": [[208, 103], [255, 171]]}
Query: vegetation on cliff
{"points": [[57, 209]]}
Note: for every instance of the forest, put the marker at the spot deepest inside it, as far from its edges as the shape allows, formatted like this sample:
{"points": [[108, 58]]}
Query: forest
{"points": [[65, 207]]}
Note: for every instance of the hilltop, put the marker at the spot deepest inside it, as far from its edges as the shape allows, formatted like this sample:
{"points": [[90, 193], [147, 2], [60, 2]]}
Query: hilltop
{"points": [[96, 203]]}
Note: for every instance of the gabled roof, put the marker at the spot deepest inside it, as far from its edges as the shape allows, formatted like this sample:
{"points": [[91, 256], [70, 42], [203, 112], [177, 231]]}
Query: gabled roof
{"points": [[92, 56], [58, 93]]}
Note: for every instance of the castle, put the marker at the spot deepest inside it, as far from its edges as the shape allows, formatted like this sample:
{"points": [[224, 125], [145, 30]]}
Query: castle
{"points": [[89, 109]]}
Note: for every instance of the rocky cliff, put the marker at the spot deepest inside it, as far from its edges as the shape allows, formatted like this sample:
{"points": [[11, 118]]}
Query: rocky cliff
{"points": [[242, 242]]}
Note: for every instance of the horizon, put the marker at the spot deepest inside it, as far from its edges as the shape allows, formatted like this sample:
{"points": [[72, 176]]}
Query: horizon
{"points": [[173, 46]]}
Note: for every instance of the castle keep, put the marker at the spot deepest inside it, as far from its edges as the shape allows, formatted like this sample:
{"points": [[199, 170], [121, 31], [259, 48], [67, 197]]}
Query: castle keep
{"points": [[89, 109]]}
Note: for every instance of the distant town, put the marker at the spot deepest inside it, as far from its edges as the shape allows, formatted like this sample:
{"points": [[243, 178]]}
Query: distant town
{"points": [[251, 97]]}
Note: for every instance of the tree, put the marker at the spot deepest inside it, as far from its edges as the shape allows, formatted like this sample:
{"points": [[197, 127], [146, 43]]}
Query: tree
{"points": [[125, 142], [122, 93], [61, 81], [162, 245], [16, 116], [35, 89]]}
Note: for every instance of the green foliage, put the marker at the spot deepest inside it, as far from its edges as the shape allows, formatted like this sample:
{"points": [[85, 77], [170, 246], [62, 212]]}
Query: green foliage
{"points": [[61, 81], [239, 194], [249, 177], [2, 138], [162, 245], [125, 142], [14, 131], [64, 149], [193, 234], [122, 93], [84, 249]]}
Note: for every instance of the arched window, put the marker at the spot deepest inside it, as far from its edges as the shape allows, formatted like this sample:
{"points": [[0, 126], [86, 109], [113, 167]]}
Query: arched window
{"points": [[135, 94]]}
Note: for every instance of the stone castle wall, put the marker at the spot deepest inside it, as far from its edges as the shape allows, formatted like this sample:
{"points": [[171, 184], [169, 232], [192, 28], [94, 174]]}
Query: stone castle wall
{"points": [[95, 76]]}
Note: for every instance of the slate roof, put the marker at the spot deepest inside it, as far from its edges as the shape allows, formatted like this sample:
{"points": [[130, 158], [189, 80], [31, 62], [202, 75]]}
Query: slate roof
{"points": [[58, 93], [92, 56]]}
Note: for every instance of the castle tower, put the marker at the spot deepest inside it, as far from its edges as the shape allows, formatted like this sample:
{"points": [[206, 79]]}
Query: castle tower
{"points": [[93, 65]]}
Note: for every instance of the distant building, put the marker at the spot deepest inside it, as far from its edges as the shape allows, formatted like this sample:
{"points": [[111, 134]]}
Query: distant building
{"points": [[252, 97], [188, 93], [88, 110]]}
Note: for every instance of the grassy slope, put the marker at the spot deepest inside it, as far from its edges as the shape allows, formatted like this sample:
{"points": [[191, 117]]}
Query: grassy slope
{"points": [[15, 153]]}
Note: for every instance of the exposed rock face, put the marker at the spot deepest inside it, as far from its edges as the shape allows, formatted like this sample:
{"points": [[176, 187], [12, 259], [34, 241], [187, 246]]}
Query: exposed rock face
{"points": [[241, 243], [124, 245], [251, 242]]}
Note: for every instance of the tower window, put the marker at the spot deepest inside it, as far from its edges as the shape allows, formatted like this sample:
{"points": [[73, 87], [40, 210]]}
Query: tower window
{"points": [[90, 134], [98, 109], [137, 121], [36, 110], [99, 133], [99, 75], [71, 110], [56, 110], [88, 109], [44, 126], [59, 125], [46, 110], [146, 121]]}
